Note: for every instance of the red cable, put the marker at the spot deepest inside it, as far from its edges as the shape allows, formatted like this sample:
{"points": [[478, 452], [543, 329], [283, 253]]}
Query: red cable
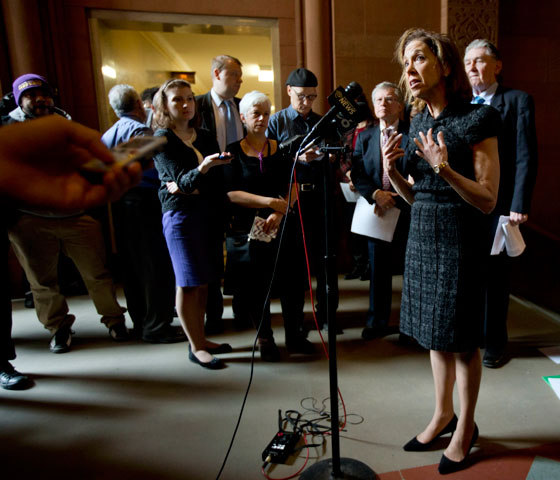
{"points": [[312, 301]]}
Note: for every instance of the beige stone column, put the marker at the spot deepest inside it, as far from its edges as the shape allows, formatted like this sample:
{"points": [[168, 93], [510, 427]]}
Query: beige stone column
{"points": [[466, 20], [318, 47]]}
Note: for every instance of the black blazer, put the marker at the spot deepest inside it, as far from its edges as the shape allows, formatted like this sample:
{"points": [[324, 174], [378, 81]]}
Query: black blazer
{"points": [[205, 109], [517, 144], [367, 170]]}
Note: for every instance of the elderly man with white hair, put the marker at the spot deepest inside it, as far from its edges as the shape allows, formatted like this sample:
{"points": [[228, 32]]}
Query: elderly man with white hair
{"points": [[148, 279], [517, 145]]}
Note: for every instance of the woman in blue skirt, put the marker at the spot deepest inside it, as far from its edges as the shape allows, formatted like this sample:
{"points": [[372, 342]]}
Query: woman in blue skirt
{"points": [[191, 195]]}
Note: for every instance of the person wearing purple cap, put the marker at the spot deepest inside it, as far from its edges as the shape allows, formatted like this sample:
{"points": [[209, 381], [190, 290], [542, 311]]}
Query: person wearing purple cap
{"points": [[33, 97], [74, 233]]}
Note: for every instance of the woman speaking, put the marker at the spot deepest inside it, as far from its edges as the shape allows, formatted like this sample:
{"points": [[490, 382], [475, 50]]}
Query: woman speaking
{"points": [[453, 158]]}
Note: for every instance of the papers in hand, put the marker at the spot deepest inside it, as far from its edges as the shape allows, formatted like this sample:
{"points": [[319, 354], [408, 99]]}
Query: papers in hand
{"points": [[349, 195], [257, 232], [366, 222], [508, 236]]}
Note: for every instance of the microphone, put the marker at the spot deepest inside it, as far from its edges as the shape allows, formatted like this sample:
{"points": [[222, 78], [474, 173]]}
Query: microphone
{"points": [[290, 143], [344, 112]]}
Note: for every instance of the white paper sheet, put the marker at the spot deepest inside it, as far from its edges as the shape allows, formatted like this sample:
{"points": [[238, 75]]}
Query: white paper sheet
{"points": [[349, 195], [366, 222], [509, 237]]}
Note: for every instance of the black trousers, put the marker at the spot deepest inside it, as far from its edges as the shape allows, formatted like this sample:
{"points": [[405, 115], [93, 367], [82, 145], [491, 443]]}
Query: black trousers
{"points": [[497, 303], [148, 278], [380, 284], [358, 244], [313, 211], [249, 278], [291, 301]]}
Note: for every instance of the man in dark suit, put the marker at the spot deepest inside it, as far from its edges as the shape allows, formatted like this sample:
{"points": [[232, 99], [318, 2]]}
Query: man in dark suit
{"points": [[372, 182], [517, 144], [219, 111], [219, 108]]}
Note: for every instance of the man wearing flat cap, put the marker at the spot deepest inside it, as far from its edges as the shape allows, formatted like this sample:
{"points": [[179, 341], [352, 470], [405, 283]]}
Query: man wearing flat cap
{"points": [[298, 119]]}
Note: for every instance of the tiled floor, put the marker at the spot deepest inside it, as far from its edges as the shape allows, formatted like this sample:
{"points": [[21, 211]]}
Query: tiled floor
{"points": [[538, 463], [140, 411]]}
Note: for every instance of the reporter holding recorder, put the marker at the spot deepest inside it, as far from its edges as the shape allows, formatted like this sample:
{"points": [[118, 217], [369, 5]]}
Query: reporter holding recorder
{"points": [[257, 181], [192, 196]]}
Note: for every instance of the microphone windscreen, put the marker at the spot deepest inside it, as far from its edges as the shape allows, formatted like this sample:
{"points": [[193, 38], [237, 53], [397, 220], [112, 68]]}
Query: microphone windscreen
{"points": [[353, 90]]}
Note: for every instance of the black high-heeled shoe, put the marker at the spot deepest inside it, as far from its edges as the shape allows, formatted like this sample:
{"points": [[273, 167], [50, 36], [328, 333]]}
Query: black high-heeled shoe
{"points": [[415, 446], [214, 364], [449, 466]]}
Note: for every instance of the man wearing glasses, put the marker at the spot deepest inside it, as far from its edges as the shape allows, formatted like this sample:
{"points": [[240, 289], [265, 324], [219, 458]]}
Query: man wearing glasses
{"points": [[284, 126], [298, 118]]}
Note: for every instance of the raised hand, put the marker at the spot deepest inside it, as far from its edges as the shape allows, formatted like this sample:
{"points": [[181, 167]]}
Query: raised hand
{"points": [[434, 153]]}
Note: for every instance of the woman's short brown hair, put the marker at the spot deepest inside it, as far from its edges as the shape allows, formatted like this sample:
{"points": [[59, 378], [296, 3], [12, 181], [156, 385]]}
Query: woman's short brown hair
{"points": [[457, 84], [161, 115]]}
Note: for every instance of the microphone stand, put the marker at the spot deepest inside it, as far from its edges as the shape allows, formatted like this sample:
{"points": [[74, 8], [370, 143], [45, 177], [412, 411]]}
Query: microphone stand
{"points": [[335, 468]]}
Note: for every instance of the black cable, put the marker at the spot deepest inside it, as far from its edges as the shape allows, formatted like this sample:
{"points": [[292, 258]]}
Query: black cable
{"points": [[267, 300]]}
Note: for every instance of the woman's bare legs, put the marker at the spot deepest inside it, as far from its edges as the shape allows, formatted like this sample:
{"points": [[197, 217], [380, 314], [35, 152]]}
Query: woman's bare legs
{"points": [[466, 369], [191, 305], [469, 373], [443, 370]]}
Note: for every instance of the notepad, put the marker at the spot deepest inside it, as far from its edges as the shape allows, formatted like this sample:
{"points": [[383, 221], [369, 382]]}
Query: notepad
{"points": [[257, 232]]}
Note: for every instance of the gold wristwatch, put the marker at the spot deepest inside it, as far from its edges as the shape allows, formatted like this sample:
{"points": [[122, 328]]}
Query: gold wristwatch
{"points": [[440, 167]]}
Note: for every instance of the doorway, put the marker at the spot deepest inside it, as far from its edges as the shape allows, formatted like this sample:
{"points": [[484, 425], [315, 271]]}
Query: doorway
{"points": [[144, 50]]}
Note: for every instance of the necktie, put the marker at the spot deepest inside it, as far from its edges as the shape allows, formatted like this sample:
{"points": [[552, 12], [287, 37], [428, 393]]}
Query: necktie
{"points": [[386, 183], [478, 100], [231, 124]]}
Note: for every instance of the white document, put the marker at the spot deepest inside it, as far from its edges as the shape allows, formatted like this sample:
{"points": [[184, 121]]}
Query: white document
{"points": [[509, 237], [349, 195], [366, 222]]}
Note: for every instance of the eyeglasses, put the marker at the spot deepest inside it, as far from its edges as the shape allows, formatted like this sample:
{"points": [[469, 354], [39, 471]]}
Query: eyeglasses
{"points": [[302, 96]]}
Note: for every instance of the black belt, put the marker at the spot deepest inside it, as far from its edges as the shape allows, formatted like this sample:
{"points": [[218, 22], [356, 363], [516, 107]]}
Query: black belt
{"points": [[306, 187]]}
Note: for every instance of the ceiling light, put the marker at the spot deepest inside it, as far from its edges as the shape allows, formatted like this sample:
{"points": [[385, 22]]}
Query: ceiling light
{"points": [[265, 74], [109, 71]]}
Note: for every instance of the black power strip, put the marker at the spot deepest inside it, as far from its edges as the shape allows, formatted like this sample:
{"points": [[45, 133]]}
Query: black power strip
{"points": [[281, 447]]}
